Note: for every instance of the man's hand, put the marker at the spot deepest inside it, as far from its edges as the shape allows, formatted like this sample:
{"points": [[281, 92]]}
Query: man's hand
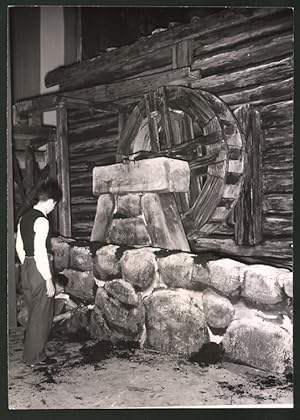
{"points": [[50, 288], [67, 315]]}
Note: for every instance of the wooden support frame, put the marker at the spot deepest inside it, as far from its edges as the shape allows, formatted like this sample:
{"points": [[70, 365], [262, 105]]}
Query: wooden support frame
{"points": [[248, 211], [63, 170]]}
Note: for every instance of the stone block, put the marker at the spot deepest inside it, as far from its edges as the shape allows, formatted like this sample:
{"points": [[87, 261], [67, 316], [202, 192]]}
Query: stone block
{"points": [[81, 281], [129, 205], [200, 275], [131, 231], [286, 279], [103, 218], [118, 317], [149, 175], [175, 321], [106, 263], [122, 291], [226, 275], [176, 270], [218, 310], [139, 267], [61, 254], [262, 284], [164, 222], [259, 343], [81, 258]]}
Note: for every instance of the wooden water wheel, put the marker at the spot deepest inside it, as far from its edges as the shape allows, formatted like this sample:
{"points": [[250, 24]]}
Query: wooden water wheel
{"points": [[198, 127]]}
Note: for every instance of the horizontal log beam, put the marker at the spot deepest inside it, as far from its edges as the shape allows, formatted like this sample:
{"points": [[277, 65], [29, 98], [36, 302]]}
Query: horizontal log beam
{"points": [[275, 248], [159, 175], [129, 60], [245, 54], [277, 181], [265, 94], [112, 92], [278, 204], [238, 35], [251, 76]]}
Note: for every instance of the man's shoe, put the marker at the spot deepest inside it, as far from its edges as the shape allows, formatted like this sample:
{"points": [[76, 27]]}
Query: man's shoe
{"points": [[47, 361]]}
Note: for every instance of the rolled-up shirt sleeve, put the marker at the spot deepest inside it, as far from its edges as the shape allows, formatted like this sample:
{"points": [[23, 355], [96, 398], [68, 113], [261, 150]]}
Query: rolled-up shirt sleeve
{"points": [[41, 229], [19, 245]]}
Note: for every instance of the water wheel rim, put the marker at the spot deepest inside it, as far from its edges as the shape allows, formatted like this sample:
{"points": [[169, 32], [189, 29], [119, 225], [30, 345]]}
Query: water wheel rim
{"points": [[212, 118]]}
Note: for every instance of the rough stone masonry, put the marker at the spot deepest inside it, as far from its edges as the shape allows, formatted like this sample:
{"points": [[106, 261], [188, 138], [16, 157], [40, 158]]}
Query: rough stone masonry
{"points": [[168, 299]]}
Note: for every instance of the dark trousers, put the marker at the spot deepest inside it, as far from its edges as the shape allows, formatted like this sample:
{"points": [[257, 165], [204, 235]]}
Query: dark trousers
{"points": [[40, 312]]}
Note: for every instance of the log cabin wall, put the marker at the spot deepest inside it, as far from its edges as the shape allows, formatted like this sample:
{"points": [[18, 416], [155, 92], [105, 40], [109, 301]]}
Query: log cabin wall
{"points": [[245, 56]]}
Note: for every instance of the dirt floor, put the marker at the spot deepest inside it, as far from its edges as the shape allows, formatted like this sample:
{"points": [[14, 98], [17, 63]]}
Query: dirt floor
{"points": [[87, 376]]}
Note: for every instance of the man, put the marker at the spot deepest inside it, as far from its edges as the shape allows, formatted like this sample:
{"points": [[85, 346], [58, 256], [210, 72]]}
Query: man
{"points": [[34, 251]]}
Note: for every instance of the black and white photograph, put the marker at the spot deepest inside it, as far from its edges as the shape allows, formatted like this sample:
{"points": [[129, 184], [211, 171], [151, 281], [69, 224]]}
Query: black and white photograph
{"points": [[150, 207]]}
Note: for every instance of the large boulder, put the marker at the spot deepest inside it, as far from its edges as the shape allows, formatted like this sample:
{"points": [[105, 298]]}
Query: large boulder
{"points": [[226, 275], [176, 270], [61, 254], [106, 263], [81, 258], [80, 281], [129, 205], [259, 343], [175, 321], [139, 267], [218, 310], [286, 279], [262, 284], [131, 231], [122, 319], [123, 291]]}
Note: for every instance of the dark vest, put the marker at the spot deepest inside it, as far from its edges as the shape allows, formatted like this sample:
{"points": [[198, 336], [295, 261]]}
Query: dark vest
{"points": [[27, 232]]}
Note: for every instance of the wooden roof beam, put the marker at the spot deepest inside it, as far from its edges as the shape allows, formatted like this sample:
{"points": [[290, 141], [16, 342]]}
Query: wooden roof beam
{"points": [[109, 96]]}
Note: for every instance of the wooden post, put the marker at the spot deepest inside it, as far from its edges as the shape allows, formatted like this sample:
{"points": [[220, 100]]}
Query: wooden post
{"points": [[248, 211], [29, 168], [63, 170], [51, 161], [11, 275]]}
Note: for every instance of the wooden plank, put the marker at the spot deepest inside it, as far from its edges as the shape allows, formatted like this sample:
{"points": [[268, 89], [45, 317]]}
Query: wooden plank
{"points": [[33, 131], [150, 106], [267, 48], [182, 53], [256, 75], [249, 207], [277, 138], [280, 249], [275, 182], [278, 226], [278, 159], [94, 145], [204, 205], [259, 96], [138, 56], [166, 128], [279, 114], [278, 203], [103, 218], [164, 222], [65, 227]]}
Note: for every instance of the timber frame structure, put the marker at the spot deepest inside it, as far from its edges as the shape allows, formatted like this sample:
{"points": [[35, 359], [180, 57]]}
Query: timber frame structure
{"points": [[244, 57]]}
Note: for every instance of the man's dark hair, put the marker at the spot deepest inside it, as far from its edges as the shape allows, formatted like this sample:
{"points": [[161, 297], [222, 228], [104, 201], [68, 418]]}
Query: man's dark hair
{"points": [[61, 280], [50, 189]]}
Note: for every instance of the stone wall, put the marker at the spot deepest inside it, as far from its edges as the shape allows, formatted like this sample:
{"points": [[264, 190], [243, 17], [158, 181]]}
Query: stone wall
{"points": [[177, 301]]}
